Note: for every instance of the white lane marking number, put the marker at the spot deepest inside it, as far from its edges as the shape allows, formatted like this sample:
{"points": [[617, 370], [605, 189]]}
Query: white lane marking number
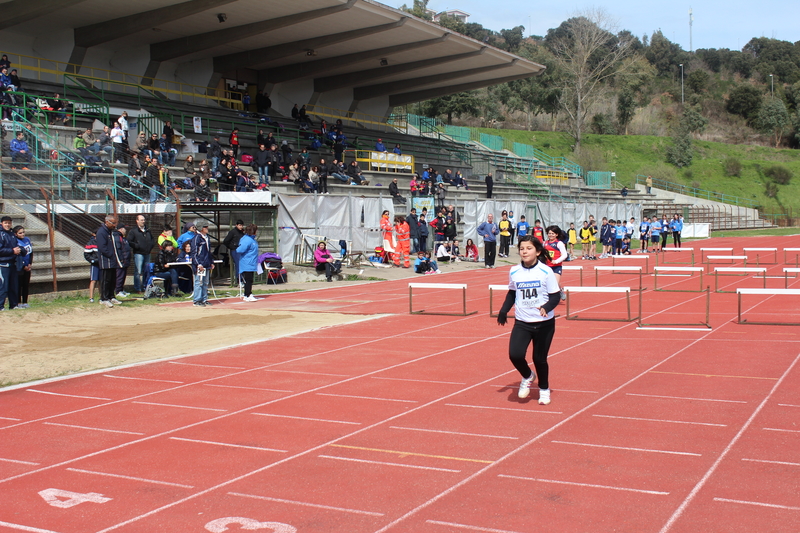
{"points": [[221, 524], [53, 497]]}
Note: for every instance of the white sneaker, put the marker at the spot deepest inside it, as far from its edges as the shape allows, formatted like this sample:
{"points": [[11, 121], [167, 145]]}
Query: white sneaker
{"points": [[544, 396], [115, 301], [122, 294], [250, 298], [525, 386], [106, 303]]}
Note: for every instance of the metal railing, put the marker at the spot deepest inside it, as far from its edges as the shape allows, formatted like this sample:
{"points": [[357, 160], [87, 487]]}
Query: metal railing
{"points": [[333, 114], [698, 193], [52, 71], [36, 107]]}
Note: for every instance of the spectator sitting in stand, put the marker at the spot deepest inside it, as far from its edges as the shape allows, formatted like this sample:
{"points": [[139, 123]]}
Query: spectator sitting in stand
{"points": [[105, 142], [447, 177], [335, 171], [202, 191], [4, 61], [356, 178], [15, 81], [295, 112], [303, 116], [168, 153], [91, 143], [189, 170], [393, 190], [20, 151]]}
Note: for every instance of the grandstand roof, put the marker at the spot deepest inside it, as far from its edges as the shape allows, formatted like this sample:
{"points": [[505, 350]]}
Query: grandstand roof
{"points": [[377, 51]]}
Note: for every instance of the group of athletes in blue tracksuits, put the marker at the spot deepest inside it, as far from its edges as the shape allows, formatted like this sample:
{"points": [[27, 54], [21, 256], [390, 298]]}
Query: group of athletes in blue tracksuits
{"points": [[655, 233]]}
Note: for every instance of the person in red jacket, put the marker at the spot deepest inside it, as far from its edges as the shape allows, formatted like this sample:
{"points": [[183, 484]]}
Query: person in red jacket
{"points": [[233, 140], [386, 232], [401, 229]]}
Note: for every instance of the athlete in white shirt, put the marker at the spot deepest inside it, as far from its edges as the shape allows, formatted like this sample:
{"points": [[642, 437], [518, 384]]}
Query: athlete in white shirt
{"points": [[534, 293]]}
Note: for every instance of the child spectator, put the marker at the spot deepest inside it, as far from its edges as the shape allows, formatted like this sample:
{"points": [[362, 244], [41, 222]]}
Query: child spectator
{"points": [[572, 239], [538, 231], [522, 227], [20, 151], [24, 260], [586, 234], [424, 265], [505, 234], [233, 140], [166, 255], [423, 234], [620, 233], [644, 235], [471, 252], [607, 235]]}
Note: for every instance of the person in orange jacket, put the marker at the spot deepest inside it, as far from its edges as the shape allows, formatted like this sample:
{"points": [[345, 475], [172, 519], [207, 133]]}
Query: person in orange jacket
{"points": [[387, 233], [402, 232]]}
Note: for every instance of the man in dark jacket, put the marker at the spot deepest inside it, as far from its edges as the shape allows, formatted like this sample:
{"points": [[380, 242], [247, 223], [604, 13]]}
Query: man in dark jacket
{"points": [[121, 241], [231, 242], [215, 153], [110, 260], [323, 177], [9, 251], [141, 241], [413, 230], [261, 162], [489, 185], [202, 263], [395, 192], [152, 179]]}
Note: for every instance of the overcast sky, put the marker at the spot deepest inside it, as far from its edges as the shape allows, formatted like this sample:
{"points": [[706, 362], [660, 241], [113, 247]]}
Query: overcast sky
{"points": [[717, 23]]}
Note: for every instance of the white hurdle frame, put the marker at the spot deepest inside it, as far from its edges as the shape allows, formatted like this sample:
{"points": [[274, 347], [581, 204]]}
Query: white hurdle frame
{"points": [[732, 258], [786, 272], [796, 252], [572, 268], [773, 251], [737, 271], [626, 290], [704, 250], [638, 269], [768, 292], [493, 288], [456, 286], [665, 262], [637, 256], [682, 271]]}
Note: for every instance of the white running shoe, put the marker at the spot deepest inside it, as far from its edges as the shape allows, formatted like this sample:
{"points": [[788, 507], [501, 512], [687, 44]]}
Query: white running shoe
{"points": [[251, 298], [115, 301], [525, 386], [106, 303], [544, 396]]}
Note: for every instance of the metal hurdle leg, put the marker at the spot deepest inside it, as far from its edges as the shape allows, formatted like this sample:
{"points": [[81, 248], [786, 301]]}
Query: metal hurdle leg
{"points": [[768, 292], [626, 290], [463, 288], [683, 325]]}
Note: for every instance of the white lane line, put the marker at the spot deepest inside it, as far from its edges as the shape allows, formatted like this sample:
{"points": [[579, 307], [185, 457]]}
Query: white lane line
{"points": [[684, 398], [183, 406], [590, 485], [661, 420], [351, 459], [420, 380], [67, 395], [241, 387], [308, 418], [18, 461], [93, 429], [306, 504], [555, 390], [455, 433], [781, 404], [365, 397], [12, 419], [771, 462], [301, 372], [208, 366], [624, 448], [145, 480], [760, 504], [782, 430], [471, 528], [229, 445], [503, 408], [25, 528], [682, 507], [143, 379]]}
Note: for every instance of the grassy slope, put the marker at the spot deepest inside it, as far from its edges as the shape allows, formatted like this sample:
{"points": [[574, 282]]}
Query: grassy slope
{"points": [[639, 154]]}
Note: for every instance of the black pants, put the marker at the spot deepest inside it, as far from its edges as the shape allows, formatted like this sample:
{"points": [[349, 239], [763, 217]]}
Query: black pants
{"points": [[329, 268], [676, 239], [24, 285], [9, 285], [541, 334], [247, 281], [505, 243], [108, 278], [490, 249], [119, 282], [488, 192], [323, 184]]}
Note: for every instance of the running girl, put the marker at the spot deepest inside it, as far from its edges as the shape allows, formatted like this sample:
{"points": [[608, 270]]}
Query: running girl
{"points": [[533, 292], [556, 253]]}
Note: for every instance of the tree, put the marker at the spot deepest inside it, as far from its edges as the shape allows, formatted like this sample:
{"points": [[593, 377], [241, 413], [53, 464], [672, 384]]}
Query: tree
{"points": [[692, 121], [697, 81], [744, 100], [419, 9], [680, 153], [587, 54], [452, 104], [513, 38], [631, 81], [663, 54], [773, 118]]}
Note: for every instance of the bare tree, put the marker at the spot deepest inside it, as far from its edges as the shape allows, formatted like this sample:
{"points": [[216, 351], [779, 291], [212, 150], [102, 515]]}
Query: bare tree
{"points": [[588, 53]]}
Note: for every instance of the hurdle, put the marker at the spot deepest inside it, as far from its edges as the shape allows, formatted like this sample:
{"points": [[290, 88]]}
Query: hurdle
{"points": [[626, 290], [768, 292], [773, 251], [574, 268], [732, 258], [626, 257], [455, 286], [638, 269], [796, 252], [671, 250], [786, 272], [677, 271], [704, 250], [493, 288], [735, 271], [679, 326]]}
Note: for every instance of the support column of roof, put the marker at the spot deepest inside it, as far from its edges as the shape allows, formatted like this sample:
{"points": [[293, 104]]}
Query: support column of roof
{"points": [[381, 89], [323, 66], [331, 83], [19, 11], [103, 32], [259, 56], [426, 94]]}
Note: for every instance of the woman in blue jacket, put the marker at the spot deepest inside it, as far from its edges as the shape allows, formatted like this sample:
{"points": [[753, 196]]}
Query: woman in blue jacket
{"points": [[676, 225], [248, 260], [24, 260]]}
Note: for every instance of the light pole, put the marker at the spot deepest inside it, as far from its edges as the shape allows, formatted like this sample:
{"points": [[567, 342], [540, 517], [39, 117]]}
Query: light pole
{"points": [[681, 65], [772, 86]]}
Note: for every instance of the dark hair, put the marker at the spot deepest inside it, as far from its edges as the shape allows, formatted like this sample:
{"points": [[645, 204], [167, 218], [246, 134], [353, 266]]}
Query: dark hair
{"points": [[251, 229], [555, 229], [239, 222], [541, 254], [183, 246], [15, 229], [6, 218], [167, 243]]}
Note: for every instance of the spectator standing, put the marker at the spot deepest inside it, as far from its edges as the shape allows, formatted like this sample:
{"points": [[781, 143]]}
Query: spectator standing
{"points": [[121, 241], [215, 153], [522, 227], [379, 146], [441, 194], [489, 185], [247, 251], [649, 184], [505, 234], [118, 139], [423, 234], [323, 176], [169, 131], [189, 233], [109, 260], [397, 150], [413, 230], [141, 242], [231, 242], [166, 235], [202, 263], [676, 225], [123, 124], [303, 116], [152, 180], [9, 252], [233, 140], [386, 233], [261, 162], [402, 232], [91, 255], [513, 221], [168, 153], [489, 231]]}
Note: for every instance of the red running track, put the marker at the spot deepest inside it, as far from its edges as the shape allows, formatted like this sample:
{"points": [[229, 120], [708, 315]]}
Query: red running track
{"points": [[411, 423]]}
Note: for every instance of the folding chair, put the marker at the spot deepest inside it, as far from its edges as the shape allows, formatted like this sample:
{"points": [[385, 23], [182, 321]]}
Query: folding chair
{"points": [[152, 280]]}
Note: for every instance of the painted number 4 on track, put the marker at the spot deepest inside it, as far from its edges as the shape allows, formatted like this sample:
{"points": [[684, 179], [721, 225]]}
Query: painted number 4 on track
{"points": [[221, 524], [70, 499]]}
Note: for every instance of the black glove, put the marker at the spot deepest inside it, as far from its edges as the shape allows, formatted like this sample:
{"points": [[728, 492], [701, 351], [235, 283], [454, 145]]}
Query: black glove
{"points": [[502, 318]]}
